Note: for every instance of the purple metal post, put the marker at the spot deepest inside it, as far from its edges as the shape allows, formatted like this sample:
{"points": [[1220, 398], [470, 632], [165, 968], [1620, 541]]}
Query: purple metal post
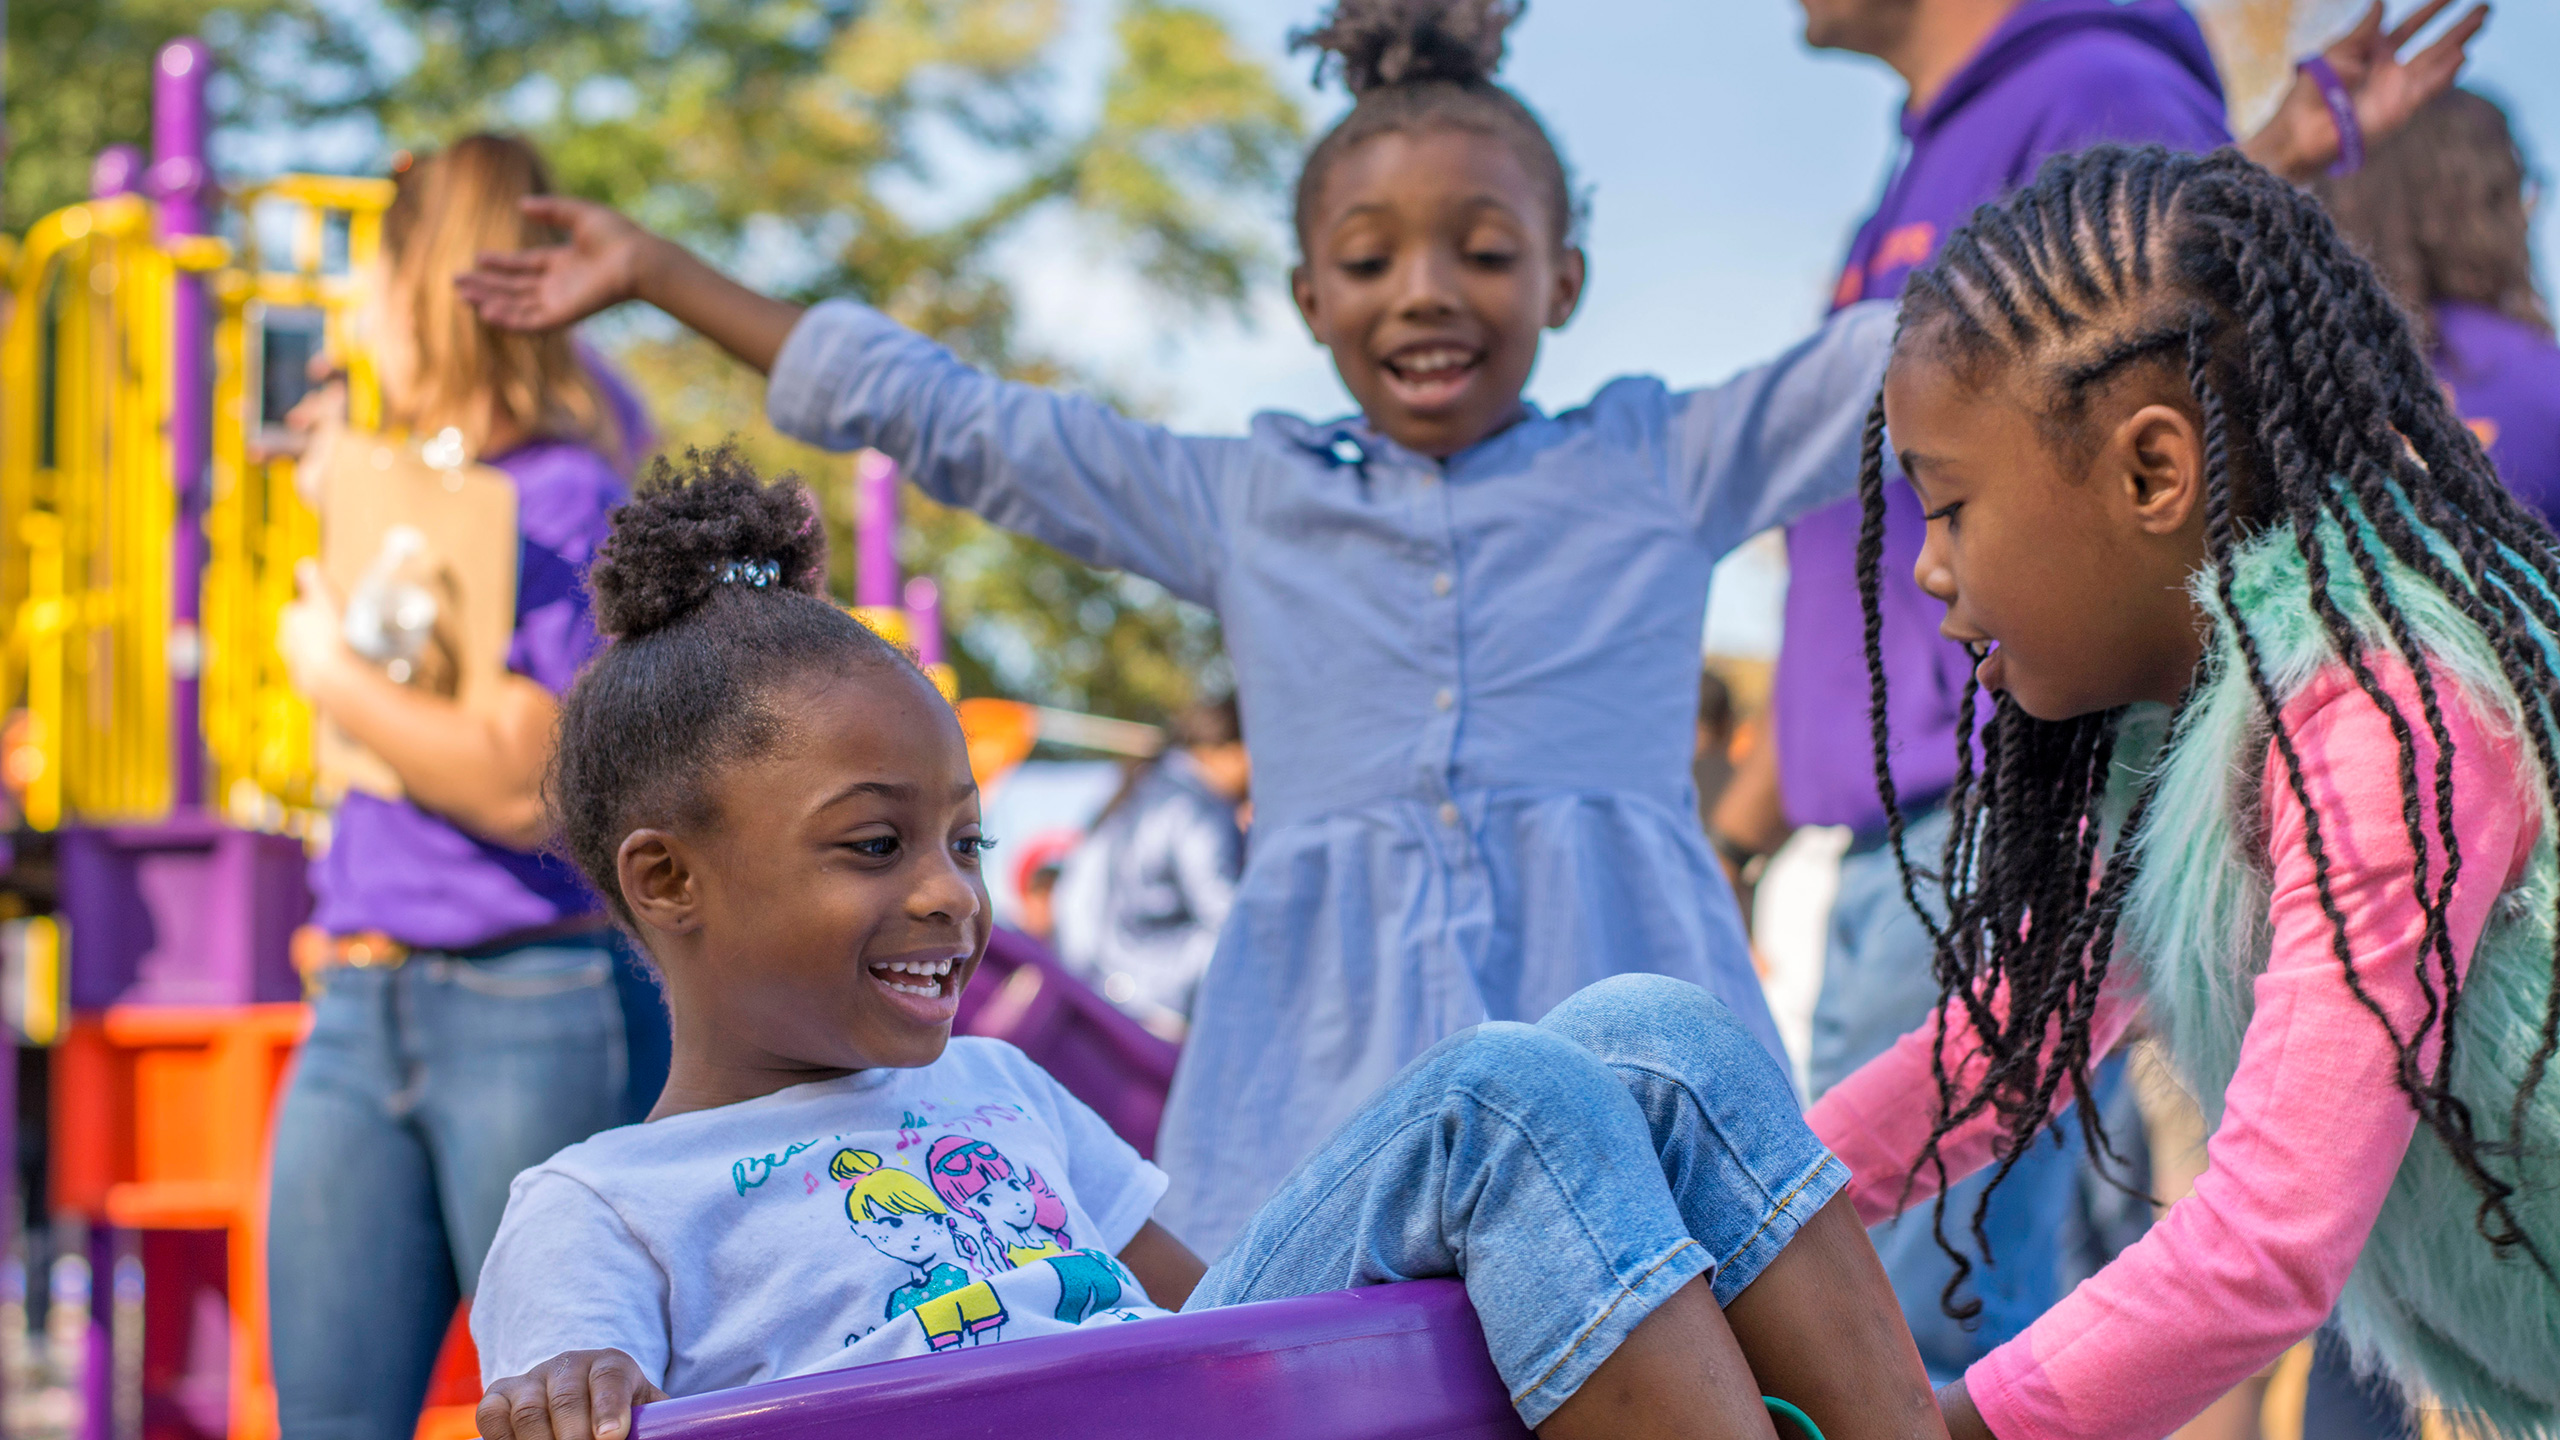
{"points": [[182, 183], [118, 171], [875, 513], [924, 619]]}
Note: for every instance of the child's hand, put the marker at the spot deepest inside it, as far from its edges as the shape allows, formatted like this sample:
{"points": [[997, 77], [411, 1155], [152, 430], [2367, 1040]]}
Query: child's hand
{"points": [[582, 1395], [608, 260], [601, 264]]}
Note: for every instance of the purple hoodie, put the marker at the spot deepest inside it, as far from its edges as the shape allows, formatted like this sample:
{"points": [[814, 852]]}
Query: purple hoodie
{"points": [[2056, 76], [2505, 376]]}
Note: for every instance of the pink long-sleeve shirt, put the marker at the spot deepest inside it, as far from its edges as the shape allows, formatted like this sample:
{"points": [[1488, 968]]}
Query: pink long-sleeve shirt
{"points": [[2314, 1126]]}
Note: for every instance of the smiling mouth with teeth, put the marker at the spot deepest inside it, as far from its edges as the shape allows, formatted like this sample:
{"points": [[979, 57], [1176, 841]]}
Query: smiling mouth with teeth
{"points": [[1435, 363], [928, 975]]}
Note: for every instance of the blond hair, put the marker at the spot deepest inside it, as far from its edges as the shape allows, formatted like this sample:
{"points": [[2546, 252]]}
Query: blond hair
{"points": [[883, 1189], [452, 207]]}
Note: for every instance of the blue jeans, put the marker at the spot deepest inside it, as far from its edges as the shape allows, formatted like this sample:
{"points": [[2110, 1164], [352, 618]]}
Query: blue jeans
{"points": [[420, 1094], [1879, 982], [1574, 1172], [2339, 1404]]}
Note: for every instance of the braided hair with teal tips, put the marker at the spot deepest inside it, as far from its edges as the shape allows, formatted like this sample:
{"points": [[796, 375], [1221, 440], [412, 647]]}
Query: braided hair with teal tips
{"points": [[2320, 417]]}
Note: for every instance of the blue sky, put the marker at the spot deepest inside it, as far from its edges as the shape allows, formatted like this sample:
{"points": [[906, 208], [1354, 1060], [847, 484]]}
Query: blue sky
{"points": [[1726, 165]]}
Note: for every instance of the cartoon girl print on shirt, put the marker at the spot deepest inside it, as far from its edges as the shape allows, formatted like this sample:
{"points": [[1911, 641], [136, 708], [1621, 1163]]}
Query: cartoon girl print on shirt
{"points": [[1022, 1220], [894, 1213]]}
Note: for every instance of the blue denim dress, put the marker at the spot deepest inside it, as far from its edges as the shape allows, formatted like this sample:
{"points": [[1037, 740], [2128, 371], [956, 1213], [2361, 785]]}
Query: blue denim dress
{"points": [[1469, 687]]}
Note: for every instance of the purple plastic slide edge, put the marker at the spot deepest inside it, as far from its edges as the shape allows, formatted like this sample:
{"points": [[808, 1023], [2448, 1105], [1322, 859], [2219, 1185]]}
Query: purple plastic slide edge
{"points": [[1389, 1362]]}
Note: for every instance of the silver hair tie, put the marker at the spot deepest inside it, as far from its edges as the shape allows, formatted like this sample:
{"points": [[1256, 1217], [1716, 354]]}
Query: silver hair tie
{"points": [[759, 573]]}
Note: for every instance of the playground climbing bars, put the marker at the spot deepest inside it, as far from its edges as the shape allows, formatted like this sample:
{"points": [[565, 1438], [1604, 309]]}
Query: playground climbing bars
{"points": [[86, 511], [257, 730]]}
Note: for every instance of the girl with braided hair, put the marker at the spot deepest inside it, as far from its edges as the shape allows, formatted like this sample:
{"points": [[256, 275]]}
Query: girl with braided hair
{"points": [[2267, 757]]}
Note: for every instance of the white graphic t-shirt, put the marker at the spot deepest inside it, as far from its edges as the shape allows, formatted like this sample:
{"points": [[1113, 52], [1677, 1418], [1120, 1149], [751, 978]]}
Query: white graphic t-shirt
{"points": [[889, 1213]]}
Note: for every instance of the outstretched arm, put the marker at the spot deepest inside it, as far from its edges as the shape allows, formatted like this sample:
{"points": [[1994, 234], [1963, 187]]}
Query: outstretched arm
{"points": [[2301, 140], [1878, 1120], [606, 259], [1781, 438], [2314, 1125], [1066, 471]]}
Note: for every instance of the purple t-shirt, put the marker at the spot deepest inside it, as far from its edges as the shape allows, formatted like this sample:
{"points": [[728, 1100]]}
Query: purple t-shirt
{"points": [[2056, 76], [2505, 376], [395, 868]]}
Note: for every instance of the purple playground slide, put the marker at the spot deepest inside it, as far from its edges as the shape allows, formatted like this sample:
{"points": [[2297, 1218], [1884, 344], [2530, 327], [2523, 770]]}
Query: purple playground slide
{"points": [[1023, 995], [1390, 1362]]}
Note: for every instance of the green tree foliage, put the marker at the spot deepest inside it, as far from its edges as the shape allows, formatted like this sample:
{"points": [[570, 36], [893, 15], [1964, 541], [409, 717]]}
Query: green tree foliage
{"points": [[893, 145], [78, 79]]}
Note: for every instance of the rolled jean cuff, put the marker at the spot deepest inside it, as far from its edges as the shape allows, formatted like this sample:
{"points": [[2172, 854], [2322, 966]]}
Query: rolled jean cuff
{"points": [[1639, 1295], [1823, 1178]]}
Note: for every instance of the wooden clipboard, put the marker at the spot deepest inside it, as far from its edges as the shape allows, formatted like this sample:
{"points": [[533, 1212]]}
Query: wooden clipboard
{"points": [[392, 523]]}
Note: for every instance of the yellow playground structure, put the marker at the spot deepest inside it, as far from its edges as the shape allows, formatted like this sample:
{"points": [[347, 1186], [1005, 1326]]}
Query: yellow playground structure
{"points": [[158, 767], [158, 779], [88, 509]]}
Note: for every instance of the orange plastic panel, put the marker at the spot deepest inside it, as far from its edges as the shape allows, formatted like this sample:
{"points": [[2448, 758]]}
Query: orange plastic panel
{"points": [[92, 1118], [449, 1422], [161, 1115], [457, 1374], [1000, 735]]}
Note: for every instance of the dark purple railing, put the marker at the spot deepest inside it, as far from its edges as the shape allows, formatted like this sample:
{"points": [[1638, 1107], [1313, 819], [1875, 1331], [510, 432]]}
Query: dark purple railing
{"points": [[1391, 1362]]}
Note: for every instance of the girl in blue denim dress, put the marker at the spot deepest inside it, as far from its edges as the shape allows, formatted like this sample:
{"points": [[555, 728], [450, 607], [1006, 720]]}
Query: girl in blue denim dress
{"points": [[1465, 633]]}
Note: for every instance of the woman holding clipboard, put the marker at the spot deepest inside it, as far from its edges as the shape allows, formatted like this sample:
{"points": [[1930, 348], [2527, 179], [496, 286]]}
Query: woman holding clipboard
{"points": [[467, 1019]]}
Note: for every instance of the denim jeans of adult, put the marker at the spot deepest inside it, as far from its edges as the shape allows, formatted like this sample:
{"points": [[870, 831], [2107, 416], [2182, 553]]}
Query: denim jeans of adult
{"points": [[420, 1094], [1878, 983], [2339, 1404], [1574, 1172]]}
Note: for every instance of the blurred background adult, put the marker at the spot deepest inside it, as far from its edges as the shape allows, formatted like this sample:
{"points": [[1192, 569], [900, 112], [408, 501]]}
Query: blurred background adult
{"points": [[1139, 904], [468, 1023], [1035, 883], [2444, 209]]}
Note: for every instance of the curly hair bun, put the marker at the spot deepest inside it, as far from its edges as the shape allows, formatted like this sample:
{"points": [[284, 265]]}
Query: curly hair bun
{"points": [[1378, 43], [686, 533]]}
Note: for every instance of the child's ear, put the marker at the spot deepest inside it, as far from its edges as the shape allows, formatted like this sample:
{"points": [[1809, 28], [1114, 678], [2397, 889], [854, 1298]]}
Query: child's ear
{"points": [[2159, 455], [1573, 270], [658, 881], [1302, 288]]}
